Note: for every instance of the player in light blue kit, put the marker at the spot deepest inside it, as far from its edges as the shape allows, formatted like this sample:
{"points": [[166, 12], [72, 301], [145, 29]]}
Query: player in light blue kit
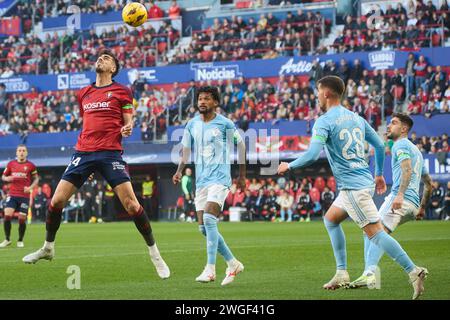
{"points": [[403, 203], [212, 136], [342, 133]]}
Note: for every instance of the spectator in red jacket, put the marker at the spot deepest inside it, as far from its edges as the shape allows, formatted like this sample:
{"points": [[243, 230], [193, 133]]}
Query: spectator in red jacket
{"points": [[155, 12], [414, 106], [420, 68], [174, 10]]}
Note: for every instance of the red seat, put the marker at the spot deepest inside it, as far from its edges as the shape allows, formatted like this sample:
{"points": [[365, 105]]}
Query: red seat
{"points": [[436, 40], [206, 55], [162, 47]]}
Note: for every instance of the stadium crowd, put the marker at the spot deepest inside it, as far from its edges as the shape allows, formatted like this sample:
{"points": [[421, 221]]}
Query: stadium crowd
{"points": [[428, 145], [73, 52], [264, 199], [40, 9], [396, 27], [227, 39], [286, 200], [246, 100], [265, 38]]}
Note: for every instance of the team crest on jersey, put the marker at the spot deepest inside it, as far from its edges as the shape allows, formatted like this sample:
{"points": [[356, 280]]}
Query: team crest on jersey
{"points": [[25, 168], [109, 94], [216, 132]]}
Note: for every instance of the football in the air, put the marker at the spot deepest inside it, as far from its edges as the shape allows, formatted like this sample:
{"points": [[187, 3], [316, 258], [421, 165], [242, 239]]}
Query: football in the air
{"points": [[134, 14]]}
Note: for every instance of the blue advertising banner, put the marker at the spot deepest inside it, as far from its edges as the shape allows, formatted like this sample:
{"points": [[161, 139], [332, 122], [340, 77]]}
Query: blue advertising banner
{"points": [[224, 70], [5, 5], [86, 20]]}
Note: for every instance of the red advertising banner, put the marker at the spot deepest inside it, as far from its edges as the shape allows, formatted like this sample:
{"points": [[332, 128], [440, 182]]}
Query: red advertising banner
{"points": [[10, 27], [284, 143]]}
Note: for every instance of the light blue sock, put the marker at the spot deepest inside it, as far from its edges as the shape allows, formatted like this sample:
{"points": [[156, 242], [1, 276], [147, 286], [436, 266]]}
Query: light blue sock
{"points": [[366, 249], [374, 254], [222, 246], [212, 237], [290, 215], [337, 238], [393, 249]]}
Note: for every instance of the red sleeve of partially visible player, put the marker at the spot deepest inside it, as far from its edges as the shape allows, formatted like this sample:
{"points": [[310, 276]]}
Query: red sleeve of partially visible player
{"points": [[126, 100], [7, 170], [79, 103]]}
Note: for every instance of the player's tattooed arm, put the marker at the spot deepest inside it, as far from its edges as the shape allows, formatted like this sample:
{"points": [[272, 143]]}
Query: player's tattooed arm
{"points": [[405, 179], [426, 179]]}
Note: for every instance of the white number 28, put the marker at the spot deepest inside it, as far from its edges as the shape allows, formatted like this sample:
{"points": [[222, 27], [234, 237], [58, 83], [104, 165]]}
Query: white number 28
{"points": [[357, 136]]}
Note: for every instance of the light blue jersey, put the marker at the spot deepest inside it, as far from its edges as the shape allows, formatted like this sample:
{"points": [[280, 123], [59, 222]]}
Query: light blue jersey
{"points": [[404, 149], [343, 133], [212, 143]]}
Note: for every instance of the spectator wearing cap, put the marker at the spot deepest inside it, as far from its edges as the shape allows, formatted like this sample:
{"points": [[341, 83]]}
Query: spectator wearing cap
{"points": [[420, 68]]}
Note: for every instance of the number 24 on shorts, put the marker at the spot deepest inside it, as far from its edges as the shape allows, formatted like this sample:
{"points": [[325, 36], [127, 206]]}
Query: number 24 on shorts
{"points": [[74, 162]]}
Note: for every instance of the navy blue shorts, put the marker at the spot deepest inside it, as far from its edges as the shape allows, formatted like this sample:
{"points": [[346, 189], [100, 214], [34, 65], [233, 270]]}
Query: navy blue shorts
{"points": [[18, 204], [108, 163]]}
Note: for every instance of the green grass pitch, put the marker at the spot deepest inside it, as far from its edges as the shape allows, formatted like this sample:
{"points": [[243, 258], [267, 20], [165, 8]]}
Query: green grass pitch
{"points": [[282, 261]]}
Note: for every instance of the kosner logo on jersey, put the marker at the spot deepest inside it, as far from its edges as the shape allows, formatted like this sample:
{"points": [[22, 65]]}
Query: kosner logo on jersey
{"points": [[208, 71], [382, 59]]}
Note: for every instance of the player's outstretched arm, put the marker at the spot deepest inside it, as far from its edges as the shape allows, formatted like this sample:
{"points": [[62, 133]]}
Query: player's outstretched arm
{"points": [[309, 157], [427, 188], [374, 140]]}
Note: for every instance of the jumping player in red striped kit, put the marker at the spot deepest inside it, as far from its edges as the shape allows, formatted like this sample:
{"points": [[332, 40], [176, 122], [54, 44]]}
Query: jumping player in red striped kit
{"points": [[107, 111], [22, 176]]}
